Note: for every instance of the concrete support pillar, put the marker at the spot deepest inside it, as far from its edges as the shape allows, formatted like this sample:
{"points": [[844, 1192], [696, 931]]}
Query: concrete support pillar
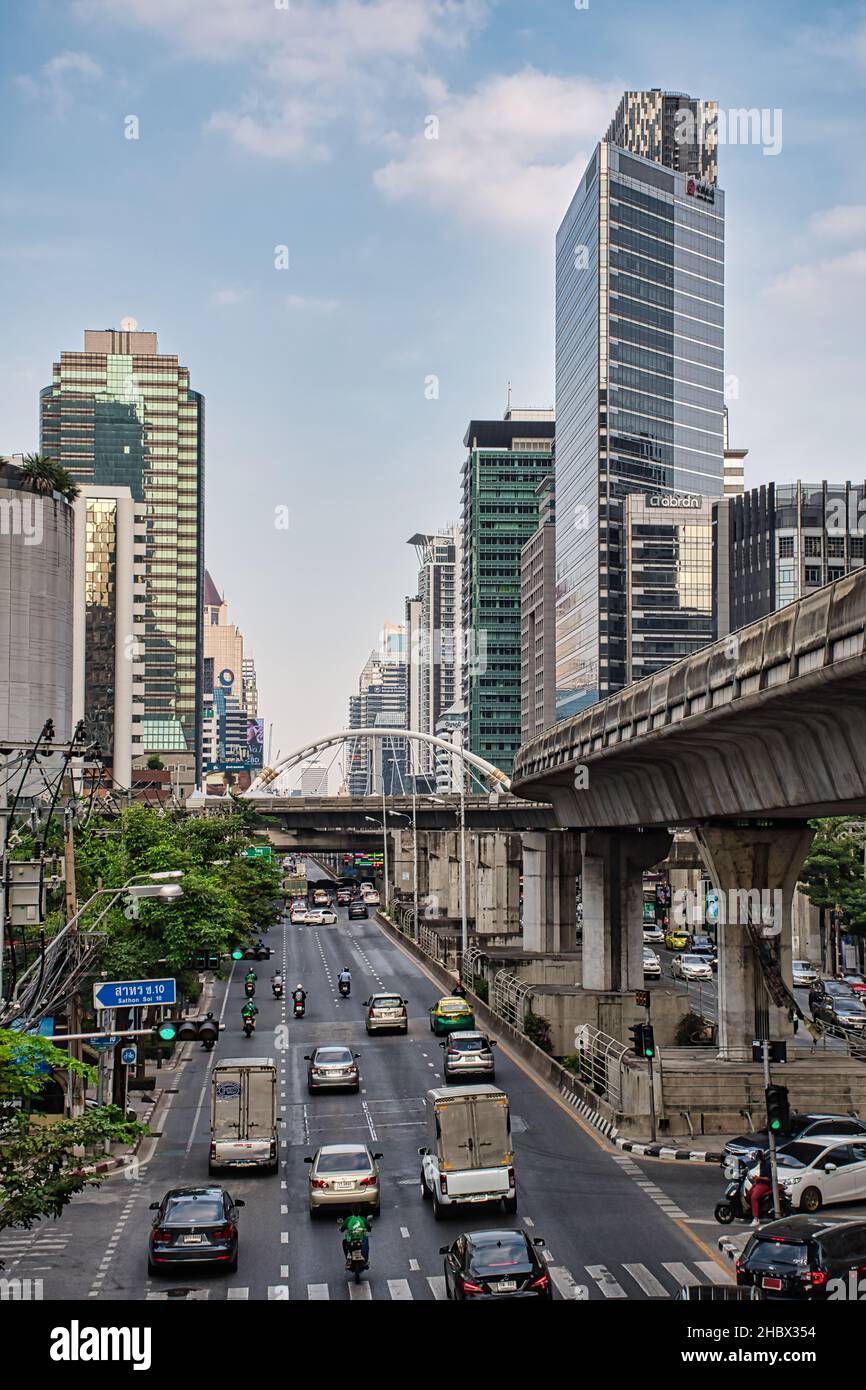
{"points": [[550, 869], [754, 872], [613, 862], [497, 908]]}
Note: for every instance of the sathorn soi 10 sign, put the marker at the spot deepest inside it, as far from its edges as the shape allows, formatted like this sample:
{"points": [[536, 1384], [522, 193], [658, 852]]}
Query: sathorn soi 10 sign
{"points": [[124, 994]]}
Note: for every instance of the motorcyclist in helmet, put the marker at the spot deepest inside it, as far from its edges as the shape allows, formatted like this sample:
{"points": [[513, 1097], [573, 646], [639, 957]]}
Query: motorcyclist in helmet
{"points": [[762, 1183], [249, 1011], [356, 1225], [345, 976], [299, 994], [250, 977]]}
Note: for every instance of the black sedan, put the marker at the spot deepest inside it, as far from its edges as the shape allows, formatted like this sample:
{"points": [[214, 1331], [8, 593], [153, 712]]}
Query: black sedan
{"points": [[194, 1225], [357, 908], [495, 1264]]}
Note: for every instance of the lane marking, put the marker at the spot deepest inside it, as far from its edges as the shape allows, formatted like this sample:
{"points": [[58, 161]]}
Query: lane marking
{"points": [[399, 1290], [566, 1284], [605, 1281], [437, 1286], [651, 1286]]}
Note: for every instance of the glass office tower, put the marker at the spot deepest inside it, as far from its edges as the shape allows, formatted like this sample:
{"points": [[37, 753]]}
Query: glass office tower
{"points": [[121, 413], [639, 367]]}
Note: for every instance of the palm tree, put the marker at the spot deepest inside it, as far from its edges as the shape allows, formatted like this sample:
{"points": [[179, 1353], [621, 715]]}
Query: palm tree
{"points": [[46, 475]]}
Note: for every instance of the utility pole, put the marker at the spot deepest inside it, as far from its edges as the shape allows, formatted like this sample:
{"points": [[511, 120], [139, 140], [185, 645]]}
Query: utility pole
{"points": [[76, 1083], [774, 1167]]}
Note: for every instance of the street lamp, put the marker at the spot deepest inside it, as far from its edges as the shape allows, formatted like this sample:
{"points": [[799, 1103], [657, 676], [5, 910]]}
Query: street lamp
{"points": [[373, 821]]}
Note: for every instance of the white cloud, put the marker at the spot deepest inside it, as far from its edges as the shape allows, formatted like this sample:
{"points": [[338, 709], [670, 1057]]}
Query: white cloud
{"points": [[56, 78], [309, 304], [845, 222], [227, 297], [825, 285], [510, 154]]}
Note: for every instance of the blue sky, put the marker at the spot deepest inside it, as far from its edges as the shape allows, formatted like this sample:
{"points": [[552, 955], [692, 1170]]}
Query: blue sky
{"points": [[262, 124]]}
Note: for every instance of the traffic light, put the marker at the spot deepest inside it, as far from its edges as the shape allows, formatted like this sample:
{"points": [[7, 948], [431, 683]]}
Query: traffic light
{"points": [[778, 1109], [649, 1043], [167, 1029], [205, 1029], [641, 998], [204, 960], [256, 953], [237, 953], [636, 1031]]}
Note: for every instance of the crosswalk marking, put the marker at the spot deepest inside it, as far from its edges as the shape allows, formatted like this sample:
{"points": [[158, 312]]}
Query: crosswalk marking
{"points": [[713, 1272], [399, 1289], [680, 1272], [646, 1281], [565, 1283], [360, 1293], [278, 1292], [317, 1291], [238, 1293], [197, 1295], [437, 1286], [605, 1280]]}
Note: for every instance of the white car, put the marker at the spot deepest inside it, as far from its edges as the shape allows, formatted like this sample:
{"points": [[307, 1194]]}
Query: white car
{"points": [[653, 936], [804, 973], [371, 897], [684, 967], [320, 897], [299, 912], [652, 966], [321, 917], [819, 1172]]}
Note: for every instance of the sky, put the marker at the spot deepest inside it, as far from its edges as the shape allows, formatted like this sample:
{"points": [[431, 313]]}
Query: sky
{"points": [[341, 214]]}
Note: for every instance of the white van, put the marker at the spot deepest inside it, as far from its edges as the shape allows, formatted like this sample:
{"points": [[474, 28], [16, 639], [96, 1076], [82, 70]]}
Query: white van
{"points": [[469, 1156]]}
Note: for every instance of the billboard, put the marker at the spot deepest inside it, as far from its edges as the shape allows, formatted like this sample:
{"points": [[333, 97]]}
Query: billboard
{"points": [[255, 744]]}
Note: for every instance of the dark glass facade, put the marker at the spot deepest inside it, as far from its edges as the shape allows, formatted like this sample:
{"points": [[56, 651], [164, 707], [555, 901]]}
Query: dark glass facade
{"points": [[670, 580], [121, 413], [639, 389]]}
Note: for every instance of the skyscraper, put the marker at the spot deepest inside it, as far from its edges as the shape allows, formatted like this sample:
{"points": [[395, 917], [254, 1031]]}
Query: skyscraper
{"points": [[506, 461], [381, 700], [639, 364], [435, 643], [538, 618], [122, 413]]}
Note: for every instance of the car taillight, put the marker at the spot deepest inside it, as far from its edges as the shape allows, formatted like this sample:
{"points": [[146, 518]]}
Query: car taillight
{"points": [[540, 1283], [511, 1177], [226, 1232], [815, 1277], [213, 1150], [738, 1266], [317, 1182], [162, 1237], [472, 1288], [443, 1184]]}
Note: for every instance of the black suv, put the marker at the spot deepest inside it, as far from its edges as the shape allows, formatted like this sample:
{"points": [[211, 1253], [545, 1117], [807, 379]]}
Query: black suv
{"points": [[357, 908], [833, 1002], [746, 1146], [805, 1257]]}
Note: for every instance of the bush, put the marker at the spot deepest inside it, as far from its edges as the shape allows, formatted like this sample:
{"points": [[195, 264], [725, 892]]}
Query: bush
{"points": [[689, 1026], [481, 988], [537, 1030]]}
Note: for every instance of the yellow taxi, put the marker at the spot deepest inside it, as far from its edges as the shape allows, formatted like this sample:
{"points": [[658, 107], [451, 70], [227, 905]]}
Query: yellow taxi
{"points": [[451, 1013], [677, 938]]}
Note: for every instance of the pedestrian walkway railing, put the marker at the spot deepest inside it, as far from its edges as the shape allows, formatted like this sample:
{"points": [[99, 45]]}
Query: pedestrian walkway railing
{"points": [[600, 1062], [509, 997]]}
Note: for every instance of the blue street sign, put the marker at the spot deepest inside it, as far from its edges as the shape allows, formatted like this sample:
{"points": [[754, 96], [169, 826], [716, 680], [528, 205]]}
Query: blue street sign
{"points": [[128, 1055], [122, 994], [102, 1044]]}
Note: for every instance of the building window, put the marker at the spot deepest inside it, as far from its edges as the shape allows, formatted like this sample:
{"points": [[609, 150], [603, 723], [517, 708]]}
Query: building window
{"points": [[786, 547], [812, 545], [836, 547], [813, 572]]}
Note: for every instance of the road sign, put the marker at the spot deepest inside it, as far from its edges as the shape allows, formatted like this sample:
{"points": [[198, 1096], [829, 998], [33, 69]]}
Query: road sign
{"points": [[259, 852], [121, 994], [104, 1043], [128, 1055]]}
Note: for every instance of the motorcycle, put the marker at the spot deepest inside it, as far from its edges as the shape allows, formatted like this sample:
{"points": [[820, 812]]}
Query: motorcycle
{"points": [[299, 1008], [344, 987], [278, 991], [735, 1205], [249, 1026], [208, 1044], [249, 988], [355, 1262]]}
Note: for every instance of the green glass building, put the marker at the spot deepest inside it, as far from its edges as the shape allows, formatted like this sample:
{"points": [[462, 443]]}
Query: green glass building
{"points": [[506, 462], [122, 413]]}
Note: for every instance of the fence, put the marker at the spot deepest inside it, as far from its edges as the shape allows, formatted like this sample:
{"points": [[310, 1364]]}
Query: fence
{"points": [[509, 997], [600, 1059]]}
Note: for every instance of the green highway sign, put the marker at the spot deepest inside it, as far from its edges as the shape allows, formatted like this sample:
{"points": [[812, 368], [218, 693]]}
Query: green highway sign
{"points": [[259, 852]]}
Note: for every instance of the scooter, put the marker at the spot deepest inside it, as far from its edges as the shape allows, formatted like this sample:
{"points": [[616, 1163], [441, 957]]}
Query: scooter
{"points": [[735, 1205], [249, 1026], [249, 988], [299, 1008], [278, 990], [355, 1262], [344, 987]]}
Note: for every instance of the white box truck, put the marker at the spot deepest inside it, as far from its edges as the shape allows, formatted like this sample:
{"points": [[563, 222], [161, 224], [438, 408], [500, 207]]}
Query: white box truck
{"points": [[243, 1115], [469, 1155]]}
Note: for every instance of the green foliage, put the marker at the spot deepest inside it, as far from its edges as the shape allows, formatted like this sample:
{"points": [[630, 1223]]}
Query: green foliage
{"points": [[537, 1030], [481, 987], [46, 475], [39, 1173], [833, 874], [20, 1056], [155, 763]]}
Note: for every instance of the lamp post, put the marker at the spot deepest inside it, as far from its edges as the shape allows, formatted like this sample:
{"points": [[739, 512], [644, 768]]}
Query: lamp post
{"points": [[400, 816], [461, 821]]}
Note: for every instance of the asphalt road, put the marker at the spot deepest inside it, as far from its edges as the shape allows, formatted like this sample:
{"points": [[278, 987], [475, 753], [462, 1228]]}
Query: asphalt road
{"points": [[613, 1226]]}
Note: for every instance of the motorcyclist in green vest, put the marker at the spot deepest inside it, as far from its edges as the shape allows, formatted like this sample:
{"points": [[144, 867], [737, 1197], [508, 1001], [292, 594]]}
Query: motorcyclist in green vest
{"points": [[249, 1011], [250, 977], [356, 1225]]}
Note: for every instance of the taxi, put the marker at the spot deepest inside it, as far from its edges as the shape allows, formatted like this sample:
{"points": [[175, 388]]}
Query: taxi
{"points": [[449, 1014], [677, 938]]}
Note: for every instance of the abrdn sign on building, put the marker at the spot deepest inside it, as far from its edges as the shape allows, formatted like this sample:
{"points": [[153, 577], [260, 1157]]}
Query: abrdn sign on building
{"points": [[675, 499]]}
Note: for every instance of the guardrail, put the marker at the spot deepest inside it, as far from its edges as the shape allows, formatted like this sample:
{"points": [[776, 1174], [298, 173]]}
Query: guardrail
{"points": [[600, 1062]]}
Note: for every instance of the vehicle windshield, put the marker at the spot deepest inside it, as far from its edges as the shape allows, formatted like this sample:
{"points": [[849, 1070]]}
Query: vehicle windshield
{"points": [[502, 1253], [468, 1044], [329, 1055], [388, 1002], [780, 1254], [358, 1161], [182, 1211], [693, 960], [798, 1155]]}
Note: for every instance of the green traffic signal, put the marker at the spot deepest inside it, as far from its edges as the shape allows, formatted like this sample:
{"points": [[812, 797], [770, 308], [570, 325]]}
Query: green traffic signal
{"points": [[167, 1029], [237, 954]]}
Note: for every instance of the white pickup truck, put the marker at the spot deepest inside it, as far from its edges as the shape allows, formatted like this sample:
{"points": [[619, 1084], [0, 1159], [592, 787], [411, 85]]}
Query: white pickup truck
{"points": [[243, 1132], [469, 1155]]}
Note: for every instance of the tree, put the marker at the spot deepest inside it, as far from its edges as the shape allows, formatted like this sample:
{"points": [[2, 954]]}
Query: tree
{"points": [[23, 1059], [155, 763], [45, 475], [833, 874]]}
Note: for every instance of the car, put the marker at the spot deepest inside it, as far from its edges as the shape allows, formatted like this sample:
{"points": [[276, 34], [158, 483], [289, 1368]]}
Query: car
{"points": [[366, 883], [298, 913], [357, 909], [371, 896], [332, 1066], [451, 1014], [495, 1264], [344, 1175], [804, 973], [799, 1257], [468, 1053], [194, 1225], [829, 989], [677, 939], [321, 917], [385, 1012], [689, 967], [839, 1007], [856, 983], [320, 897], [652, 966], [653, 936], [707, 953], [344, 896], [701, 939], [818, 1172], [807, 1126]]}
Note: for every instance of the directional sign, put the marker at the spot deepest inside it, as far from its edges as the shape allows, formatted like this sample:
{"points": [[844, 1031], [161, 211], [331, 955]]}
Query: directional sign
{"points": [[259, 852], [122, 994], [128, 1055], [102, 1044]]}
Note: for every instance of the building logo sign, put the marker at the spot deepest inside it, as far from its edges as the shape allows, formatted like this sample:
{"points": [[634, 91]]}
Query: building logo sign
{"points": [[705, 191], [691, 500], [226, 678]]}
